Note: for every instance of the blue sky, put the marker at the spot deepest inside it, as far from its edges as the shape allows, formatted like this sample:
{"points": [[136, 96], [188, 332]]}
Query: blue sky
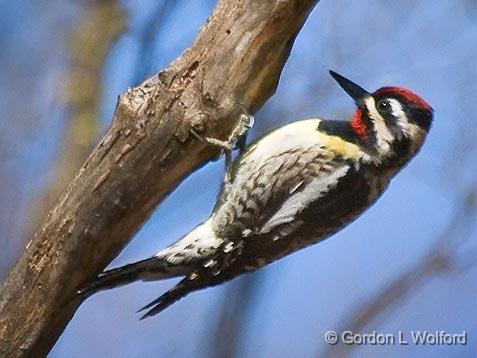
{"points": [[429, 47]]}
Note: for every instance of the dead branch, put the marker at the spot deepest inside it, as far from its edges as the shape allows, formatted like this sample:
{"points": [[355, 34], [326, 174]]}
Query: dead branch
{"points": [[236, 58]]}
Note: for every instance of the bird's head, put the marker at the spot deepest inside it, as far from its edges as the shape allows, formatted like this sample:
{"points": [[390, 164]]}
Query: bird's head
{"points": [[392, 121]]}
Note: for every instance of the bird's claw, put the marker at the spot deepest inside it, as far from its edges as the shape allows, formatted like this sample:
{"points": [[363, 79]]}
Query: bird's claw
{"points": [[240, 130]]}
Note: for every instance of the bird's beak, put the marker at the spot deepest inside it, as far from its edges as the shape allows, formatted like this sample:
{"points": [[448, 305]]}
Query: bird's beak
{"points": [[356, 92]]}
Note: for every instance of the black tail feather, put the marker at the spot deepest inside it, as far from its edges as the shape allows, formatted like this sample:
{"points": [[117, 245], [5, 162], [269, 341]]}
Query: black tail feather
{"points": [[119, 276], [179, 291]]}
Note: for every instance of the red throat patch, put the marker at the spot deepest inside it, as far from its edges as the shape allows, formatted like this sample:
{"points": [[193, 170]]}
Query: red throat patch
{"points": [[357, 124]]}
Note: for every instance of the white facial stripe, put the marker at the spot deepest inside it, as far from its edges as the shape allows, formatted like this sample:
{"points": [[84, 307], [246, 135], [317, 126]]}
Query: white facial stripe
{"points": [[409, 129], [383, 135], [400, 117]]}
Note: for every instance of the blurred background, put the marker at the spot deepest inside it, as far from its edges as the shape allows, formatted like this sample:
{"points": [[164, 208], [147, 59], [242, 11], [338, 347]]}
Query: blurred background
{"points": [[409, 263]]}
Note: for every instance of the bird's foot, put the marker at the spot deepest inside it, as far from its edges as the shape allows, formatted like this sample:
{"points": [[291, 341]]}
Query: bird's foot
{"points": [[236, 138]]}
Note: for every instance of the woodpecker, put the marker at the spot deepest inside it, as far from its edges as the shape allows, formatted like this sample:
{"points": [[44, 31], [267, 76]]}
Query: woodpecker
{"points": [[290, 189]]}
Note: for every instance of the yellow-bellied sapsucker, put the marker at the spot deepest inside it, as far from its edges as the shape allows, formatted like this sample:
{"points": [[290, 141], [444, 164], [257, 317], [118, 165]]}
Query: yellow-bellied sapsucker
{"points": [[291, 188]]}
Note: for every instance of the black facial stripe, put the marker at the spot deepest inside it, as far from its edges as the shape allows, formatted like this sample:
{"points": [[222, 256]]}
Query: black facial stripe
{"points": [[387, 114], [420, 117], [384, 107], [401, 147], [390, 122], [401, 150], [415, 115], [400, 144]]}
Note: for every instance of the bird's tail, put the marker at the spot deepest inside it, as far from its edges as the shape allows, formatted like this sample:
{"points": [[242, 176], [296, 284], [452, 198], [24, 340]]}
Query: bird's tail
{"points": [[154, 268], [167, 299]]}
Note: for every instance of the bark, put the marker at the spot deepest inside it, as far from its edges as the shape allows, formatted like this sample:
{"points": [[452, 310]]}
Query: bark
{"points": [[236, 59]]}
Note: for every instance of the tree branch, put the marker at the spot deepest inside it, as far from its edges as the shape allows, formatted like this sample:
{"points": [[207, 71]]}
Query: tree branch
{"points": [[236, 59]]}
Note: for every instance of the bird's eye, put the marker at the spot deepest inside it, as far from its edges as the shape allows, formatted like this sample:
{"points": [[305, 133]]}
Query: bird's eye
{"points": [[384, 107]]}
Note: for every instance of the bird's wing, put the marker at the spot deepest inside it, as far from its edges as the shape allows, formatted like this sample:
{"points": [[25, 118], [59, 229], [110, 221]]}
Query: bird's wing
{"points": [[272, 195], [307, 191]]}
